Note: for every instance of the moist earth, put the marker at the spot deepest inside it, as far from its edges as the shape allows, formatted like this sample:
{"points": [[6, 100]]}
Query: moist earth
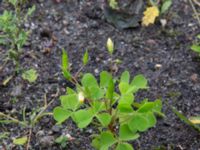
{"points": [[162, 54]]}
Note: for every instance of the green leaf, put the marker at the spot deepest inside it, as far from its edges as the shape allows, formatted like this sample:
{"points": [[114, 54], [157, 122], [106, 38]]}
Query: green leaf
{"points": [[151, 119], [138, 122], [123, 87], [96, 142], [104, 119], [165, 6], [95, 92], [124, 146], [69, 101], [85, 58], [198, 36], [70, 91], [60, 114], [83, 117], [124, 108], [155, 106], [31, 10], [110, 90], [126, 99], [196, 48], [65, 65], [140, 82], [125, 77], [65, 60], [20, 141], [89, 80], [106, 140], [148, 106], [30, 75], [21, 39], [105, 77], [126, 134]]}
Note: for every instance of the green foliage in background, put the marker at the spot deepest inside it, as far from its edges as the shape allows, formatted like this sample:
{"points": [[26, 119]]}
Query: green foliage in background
{"points": [[14, 36]]}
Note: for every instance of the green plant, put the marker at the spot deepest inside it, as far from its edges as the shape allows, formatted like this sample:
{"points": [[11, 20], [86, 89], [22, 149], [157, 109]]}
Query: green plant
{"points": [[117, 116], [14, 36], [30, 75], [29, 123], [196, 46]]}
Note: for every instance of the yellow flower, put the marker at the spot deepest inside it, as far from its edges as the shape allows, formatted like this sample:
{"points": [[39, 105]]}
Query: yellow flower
{"points": [[150, 15], [81, 97]]}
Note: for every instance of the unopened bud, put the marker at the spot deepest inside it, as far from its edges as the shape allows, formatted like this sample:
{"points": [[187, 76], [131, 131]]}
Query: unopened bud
{"points": [[110, 45]]}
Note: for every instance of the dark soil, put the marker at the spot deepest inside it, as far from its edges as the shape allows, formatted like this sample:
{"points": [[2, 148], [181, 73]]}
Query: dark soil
{"points": [[80, 25]]}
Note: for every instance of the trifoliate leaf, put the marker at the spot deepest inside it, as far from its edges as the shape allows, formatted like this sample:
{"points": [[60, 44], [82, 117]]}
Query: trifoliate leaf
{"points": [[83, 117], [150, 15], [69, 101]]}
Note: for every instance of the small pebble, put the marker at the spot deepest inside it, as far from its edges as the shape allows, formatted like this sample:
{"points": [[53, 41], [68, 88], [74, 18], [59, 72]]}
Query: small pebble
{"points": [[47, 141]]}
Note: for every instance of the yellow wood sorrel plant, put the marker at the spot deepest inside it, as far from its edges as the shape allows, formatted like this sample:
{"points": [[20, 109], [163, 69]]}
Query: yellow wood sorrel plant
{"points": [[117, 116]]}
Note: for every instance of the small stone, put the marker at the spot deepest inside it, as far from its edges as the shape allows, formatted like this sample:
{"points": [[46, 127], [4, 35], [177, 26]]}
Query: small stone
{"points": [[65, 22], [56, 128], [158, 66], [197, 109], [40, 133], [66, 31], [96, 71], [97, 59], [163, 22], [16, 91], [194, 77], [47, 141]]}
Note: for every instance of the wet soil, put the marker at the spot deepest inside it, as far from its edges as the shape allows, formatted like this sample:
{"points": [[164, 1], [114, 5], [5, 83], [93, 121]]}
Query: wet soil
{"points": [[162, 54]]}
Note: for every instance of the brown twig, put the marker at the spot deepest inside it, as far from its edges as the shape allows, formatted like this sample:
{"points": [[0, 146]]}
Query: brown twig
{"points": [[29, 139]]}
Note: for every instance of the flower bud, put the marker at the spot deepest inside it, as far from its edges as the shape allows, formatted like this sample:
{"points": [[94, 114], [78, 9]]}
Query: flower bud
{"points": [[81, 97], [110, 45]]}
